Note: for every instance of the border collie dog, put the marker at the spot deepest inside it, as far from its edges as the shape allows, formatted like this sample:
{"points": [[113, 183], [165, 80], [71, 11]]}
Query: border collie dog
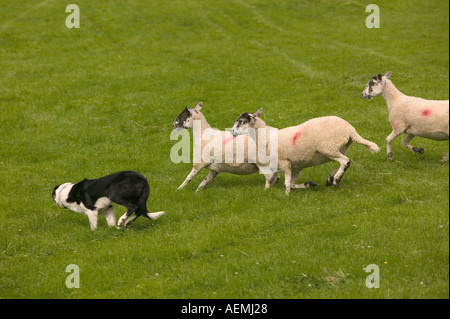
{"points": [[94, 196]]}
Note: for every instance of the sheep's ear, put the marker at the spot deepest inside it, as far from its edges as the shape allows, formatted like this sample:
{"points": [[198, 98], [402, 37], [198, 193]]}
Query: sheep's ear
{"points": [[198, 107], [388, 74], [379, 77], [258, 113]]}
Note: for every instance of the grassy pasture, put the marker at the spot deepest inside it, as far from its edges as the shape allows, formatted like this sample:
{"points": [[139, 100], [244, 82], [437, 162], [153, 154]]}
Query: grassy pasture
{"points": [[87, 102]]}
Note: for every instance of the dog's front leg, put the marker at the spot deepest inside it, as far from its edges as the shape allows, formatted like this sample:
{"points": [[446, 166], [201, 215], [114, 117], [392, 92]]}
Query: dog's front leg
{"points": [[130, 220], [122, 220], [92, 215], [110, 216], [125, 216]]}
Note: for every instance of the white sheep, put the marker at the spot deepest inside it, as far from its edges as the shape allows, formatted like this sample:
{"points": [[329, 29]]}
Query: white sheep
{"points": [[411, 115], [312, 143], [216, 149]]}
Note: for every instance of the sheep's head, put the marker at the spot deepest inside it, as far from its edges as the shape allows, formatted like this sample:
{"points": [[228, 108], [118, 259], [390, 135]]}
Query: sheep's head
{"points": [[244, 122], [186, 118], [375, 86]]}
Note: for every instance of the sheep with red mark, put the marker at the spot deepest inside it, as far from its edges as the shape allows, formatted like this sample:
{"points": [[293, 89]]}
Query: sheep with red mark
{"points": [[411, 115], [312, 143]]}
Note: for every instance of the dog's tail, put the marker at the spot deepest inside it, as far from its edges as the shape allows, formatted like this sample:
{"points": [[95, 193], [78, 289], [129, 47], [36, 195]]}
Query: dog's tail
{"points": [[155, 215], [142, 210]]}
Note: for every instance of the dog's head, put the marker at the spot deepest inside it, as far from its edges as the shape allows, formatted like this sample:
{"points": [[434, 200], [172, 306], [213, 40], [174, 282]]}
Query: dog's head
{"points": [[60, 194]]}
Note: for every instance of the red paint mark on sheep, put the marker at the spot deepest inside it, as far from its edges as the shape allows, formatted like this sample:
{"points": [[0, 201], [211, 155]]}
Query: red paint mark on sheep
{"points": [[426, 112], [296, 136], [229, 139]]}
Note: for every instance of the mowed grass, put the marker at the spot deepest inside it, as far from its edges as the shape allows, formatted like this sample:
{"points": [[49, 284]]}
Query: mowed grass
{"points": [[88, 102]]}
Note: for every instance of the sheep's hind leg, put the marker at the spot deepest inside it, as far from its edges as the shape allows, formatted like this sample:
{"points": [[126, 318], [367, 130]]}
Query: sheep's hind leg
{"points": [[389, 139], [287, 181], [211, 175], [295, 175], [331, 178], [271, 179], [285, 167], [191, 175], [406, 144], [344, 164]]}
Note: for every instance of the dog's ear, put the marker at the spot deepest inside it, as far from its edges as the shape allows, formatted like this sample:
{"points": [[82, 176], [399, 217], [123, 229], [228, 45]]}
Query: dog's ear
{"points": [[75, 193], [54, 191]]}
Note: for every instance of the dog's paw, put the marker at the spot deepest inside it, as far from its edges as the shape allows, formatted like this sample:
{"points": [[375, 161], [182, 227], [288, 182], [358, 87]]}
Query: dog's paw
{"points": [[120, 221]]}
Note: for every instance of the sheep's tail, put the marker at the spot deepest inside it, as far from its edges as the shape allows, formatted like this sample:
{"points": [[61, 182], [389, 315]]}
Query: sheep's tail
{"points": [[373, 148]]}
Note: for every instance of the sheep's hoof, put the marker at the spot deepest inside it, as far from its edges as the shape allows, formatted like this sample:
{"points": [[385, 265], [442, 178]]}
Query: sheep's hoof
{"points": [[336, 182], [418, 150], [330, 180], [310, 184], [275, 178], [390, 156]]}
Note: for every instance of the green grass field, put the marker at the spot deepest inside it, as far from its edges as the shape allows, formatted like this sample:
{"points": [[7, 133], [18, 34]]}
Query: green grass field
{"points": [[88, 102]]}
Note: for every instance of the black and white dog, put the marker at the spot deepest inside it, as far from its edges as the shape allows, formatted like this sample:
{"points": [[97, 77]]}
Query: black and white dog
{"points": [[94, 196]]}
